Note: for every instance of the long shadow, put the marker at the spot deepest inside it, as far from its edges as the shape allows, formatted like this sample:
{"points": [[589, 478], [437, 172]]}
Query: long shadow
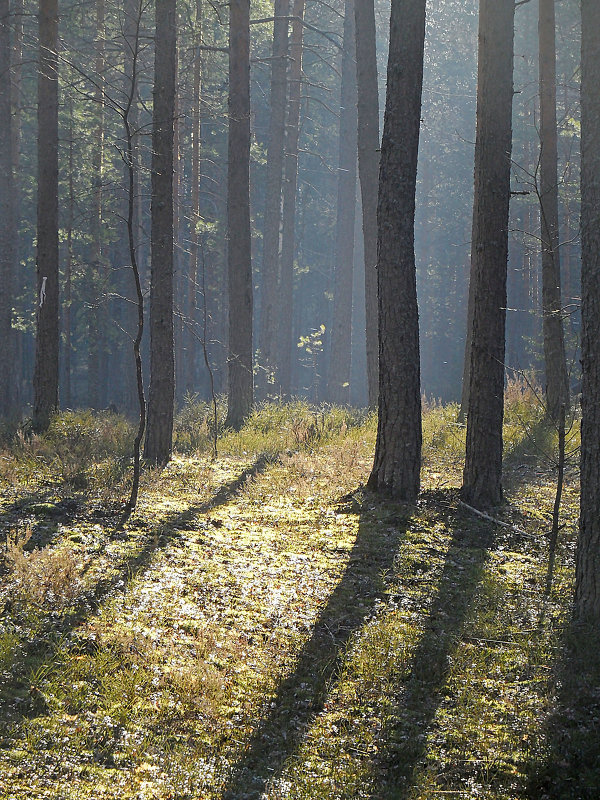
{"points": [[302, 695], [42, 647], [566, 764], [403, 741]]}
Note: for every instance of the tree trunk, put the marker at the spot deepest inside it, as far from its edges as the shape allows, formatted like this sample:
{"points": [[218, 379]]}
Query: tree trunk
{"points": [[159, 432], [66, 315], [290, 182], [190, 334], [45, 378], [8, 225], [557, 380], [482, 478], [341, 331], [97, 311], [272, 222], [368, 169], [587, 576], [240, 393], [396, 470]]}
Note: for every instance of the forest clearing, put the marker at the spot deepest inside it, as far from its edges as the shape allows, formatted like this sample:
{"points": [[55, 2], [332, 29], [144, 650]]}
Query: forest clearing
{"points": [[263, 627]]}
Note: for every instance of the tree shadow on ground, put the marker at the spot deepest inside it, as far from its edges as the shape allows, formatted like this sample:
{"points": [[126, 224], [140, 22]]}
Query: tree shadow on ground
{"points": [[302, 695], [15, 699], [566, 765], [403, 741]]}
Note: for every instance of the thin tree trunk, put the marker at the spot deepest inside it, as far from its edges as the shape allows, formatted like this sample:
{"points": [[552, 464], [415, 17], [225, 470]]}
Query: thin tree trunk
{"points": [[272, 221], [557, 381], [45, 378], [8, 225], [482, 478], [587, 572], [240, 394], [368, 168], [66, 314], [159, 431], [396, 469], [290, 183], [341, 332]]}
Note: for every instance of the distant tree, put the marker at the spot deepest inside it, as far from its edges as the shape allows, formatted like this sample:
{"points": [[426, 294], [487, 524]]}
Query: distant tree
{"points": [[290, 184], [339, 361], [368, 167], [272, 220], [587, 577], [8, 226], [159, 431], [396, 470], [557, 379], [45, 378], [482, 478], [96, 316], [240, 391]]}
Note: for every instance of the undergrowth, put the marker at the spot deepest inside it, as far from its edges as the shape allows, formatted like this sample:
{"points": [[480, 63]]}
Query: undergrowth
{"points": [[266, 629]]}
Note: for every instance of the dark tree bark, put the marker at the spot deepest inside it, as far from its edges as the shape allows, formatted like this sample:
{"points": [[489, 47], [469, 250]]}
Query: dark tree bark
{"points": [[290, 183], [587, 578], [396, 470], [557, 379], [272, 222], [159, 432], [341, 331], [240, 392], [45, 378], [368, 168], [8, 224], [482, 478]]}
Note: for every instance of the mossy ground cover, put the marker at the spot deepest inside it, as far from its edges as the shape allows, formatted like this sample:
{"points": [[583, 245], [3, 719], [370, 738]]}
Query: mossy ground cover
{"points": [[264, 628]]}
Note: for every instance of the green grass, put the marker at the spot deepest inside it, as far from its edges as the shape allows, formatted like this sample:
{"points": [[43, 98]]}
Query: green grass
{"points": [[266, 629]]}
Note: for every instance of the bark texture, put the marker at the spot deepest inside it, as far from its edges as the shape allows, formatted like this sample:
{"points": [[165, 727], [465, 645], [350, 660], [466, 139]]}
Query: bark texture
{"points": [[8, 227], [482, 478], [557, 381], [159, 432], [368, 168], [396, 470], [240, 394], [270, 268], [341, 331], [45, 377], [587, 576]]}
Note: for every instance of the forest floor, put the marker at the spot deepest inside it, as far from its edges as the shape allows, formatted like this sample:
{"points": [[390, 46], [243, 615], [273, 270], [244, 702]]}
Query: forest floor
{"points": [[265, 628]]}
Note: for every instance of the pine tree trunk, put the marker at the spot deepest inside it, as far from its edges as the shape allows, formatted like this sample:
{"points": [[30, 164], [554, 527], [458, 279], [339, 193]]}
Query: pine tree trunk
{"points": [[557, 381], [159, 431], [587, 576], [272, 222], [341, 332], [482, 478], [190, 333], [16, 125], [240, 392], [368, 168], [97, 310], [45, 378], [396, 470], [290, 182], [8, 226]]}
